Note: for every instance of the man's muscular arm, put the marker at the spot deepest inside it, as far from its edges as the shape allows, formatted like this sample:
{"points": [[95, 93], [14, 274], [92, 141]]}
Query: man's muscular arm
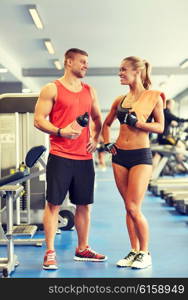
{"points": [[96, 122], [43, 108]]}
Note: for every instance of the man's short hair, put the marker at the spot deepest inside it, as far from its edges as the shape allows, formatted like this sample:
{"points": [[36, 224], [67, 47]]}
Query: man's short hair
{"points": [[168, 101], [71, 53]]}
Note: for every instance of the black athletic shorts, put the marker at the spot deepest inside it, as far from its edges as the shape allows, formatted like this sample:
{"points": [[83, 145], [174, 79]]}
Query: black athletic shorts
{"points": [[131, 158], [69, 175]]}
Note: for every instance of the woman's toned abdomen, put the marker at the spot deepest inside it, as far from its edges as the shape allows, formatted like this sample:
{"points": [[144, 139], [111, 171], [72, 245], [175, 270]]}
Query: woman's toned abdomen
{"points": [[132, 138]]}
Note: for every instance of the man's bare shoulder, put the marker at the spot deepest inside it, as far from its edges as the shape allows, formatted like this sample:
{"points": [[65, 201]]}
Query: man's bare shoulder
{"points": [[48, 90], [92, 90], [49, 86]]}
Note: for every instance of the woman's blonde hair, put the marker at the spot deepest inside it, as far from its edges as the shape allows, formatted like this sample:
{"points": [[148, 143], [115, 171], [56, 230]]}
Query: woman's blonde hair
{"points": [[141, 64]]}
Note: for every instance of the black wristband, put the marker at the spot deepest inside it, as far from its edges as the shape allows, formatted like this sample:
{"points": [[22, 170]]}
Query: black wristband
{"points": [[59, 133], [108, 146]]}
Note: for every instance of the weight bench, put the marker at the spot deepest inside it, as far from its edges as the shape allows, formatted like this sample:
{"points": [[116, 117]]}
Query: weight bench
{"points": [[10, 188]]}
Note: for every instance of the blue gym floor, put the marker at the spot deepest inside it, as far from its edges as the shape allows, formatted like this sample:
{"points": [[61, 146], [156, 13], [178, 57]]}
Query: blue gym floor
{"points": [[108, 235]]}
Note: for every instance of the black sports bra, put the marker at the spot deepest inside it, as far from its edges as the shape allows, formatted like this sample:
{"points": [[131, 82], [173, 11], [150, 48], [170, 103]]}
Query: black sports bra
{"points": [[122, 113]]}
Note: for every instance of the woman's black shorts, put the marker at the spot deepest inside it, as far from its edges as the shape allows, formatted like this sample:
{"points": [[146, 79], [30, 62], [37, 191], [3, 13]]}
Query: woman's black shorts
{"points": [[68, 175], [131, 158]]}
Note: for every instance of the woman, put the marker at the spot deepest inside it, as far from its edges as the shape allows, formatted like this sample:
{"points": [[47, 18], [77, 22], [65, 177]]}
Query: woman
{"points": [[131, 153]]}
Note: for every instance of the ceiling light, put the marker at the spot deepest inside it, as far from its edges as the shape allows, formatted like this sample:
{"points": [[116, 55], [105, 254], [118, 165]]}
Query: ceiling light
{"points": [[49, 46], [35, 16], [57, 64], [3, 70], [184, 64]]}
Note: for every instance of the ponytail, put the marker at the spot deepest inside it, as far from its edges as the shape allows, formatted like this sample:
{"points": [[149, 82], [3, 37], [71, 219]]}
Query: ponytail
{"points": [[147, 80]]}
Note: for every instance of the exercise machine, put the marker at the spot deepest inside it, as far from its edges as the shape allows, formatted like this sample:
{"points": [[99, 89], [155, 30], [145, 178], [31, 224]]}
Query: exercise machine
{"points": [[17, 136], [10, 188], [168, 160]]}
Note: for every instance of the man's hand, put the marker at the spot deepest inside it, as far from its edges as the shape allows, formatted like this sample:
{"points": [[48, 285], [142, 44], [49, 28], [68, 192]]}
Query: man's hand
{"points": [[174, 123], [70, 133], [92, 145]]}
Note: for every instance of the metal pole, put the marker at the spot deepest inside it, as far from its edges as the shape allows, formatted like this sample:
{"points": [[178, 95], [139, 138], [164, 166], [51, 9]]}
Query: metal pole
{"points": [[28, 185], [17, 134], [18, 211], [9, 203]]}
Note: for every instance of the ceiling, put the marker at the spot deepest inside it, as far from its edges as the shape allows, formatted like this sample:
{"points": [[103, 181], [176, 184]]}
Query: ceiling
{"points": [[108, 30]]}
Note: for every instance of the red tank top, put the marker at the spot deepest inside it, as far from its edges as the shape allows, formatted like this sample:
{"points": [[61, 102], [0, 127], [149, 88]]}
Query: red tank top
{"points": [[67, 107]]}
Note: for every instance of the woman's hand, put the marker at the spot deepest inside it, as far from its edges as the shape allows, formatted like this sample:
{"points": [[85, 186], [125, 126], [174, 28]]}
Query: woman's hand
{"points": [[109, 147]]}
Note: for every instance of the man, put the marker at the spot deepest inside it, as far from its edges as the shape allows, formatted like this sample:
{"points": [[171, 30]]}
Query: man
{"points": [[170, 119], [166, 138], [70, 164]]}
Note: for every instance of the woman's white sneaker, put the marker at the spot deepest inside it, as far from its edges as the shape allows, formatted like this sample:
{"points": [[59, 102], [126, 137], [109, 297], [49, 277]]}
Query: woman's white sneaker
{"points": [[127, 260], [142, 260]]}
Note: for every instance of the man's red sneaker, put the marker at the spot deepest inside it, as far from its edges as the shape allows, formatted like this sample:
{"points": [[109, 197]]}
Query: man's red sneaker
{"points": [[88, 255], [50, 262]]}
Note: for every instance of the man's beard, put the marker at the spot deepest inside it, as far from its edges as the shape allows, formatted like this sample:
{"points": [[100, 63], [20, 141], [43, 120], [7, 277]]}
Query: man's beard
{"points": [[78, 74]]}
